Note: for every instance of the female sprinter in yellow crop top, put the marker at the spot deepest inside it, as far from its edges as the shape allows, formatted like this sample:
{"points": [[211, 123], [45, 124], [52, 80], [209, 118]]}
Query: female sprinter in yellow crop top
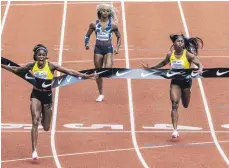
{"points": [[41, 100], [181, 57]]}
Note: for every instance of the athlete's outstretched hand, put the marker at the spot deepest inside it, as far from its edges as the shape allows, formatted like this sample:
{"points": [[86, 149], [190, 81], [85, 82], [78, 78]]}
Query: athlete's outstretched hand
{"points": [[91, 76], [200, 71], [145, 66]]}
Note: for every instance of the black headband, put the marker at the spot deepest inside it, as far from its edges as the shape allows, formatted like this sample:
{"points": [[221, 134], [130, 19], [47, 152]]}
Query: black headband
{"points": [[41, 48], [180, 36]]}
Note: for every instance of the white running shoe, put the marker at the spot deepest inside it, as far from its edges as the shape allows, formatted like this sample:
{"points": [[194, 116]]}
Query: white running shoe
{"points": [[100, 98], [175, 134], [34, 155]]}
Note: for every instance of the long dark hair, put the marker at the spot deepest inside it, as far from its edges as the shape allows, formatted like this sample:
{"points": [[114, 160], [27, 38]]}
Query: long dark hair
{"points": [[37, 48], [191, 44]]}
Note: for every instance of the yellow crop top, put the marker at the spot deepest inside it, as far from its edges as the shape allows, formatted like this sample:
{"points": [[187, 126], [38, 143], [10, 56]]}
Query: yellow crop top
{"points": [[44, 73], [179, 63]]}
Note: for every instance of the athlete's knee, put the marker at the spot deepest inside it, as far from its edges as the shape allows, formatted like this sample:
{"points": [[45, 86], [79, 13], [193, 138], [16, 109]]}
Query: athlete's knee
{"points": [[174, 112], [36, 121], [46, 128], [175, 105], [185, 105]]}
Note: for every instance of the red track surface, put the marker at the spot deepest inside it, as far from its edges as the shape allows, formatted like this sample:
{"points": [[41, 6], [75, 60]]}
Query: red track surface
{"points": [[148, 27]]}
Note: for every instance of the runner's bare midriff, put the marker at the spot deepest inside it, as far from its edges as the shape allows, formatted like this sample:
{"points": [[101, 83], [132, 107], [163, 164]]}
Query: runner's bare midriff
{"points": [[100, 43], [41, 90]]}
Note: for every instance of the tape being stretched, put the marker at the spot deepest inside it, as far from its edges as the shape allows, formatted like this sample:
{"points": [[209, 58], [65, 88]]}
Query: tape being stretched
{"points": [[122, 73]]}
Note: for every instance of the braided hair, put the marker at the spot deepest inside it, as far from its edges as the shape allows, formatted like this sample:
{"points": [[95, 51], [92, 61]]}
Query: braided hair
{"points": [[37, 48], [191, 44], [112, 15]]}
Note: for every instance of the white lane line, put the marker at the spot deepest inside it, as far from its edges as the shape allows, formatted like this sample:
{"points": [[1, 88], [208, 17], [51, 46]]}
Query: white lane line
{"points": [[57, 89], [123, 149], [130, 97], [207, 110], [3, 21], [5, 16]]}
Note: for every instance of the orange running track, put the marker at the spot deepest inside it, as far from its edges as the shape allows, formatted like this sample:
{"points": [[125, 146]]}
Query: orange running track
{"points": [[133, 106]]}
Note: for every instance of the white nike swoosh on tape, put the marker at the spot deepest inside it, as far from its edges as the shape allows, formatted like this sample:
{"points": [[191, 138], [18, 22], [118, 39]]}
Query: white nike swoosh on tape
{"points": [[121, 74], [100, 72], [172, 74], [46, 85], [221, 73], [53, 81], [148, 74], [68, 80], [194, 73], [28, 77], [59, 81]]}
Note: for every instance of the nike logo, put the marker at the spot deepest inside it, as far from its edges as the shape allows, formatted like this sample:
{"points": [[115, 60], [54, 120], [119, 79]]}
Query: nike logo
{"points": [[123, 73], [46, 85], [68, 80], [50, 94], [28, 77], [148, 74], [195, 73], [168, 74], [59, 81], [221, 73], [97, 73], [53, 81], [8, 64]]}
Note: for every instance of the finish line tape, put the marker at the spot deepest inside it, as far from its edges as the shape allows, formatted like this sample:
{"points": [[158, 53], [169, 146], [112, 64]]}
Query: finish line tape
{"points": [[120, 73]]}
